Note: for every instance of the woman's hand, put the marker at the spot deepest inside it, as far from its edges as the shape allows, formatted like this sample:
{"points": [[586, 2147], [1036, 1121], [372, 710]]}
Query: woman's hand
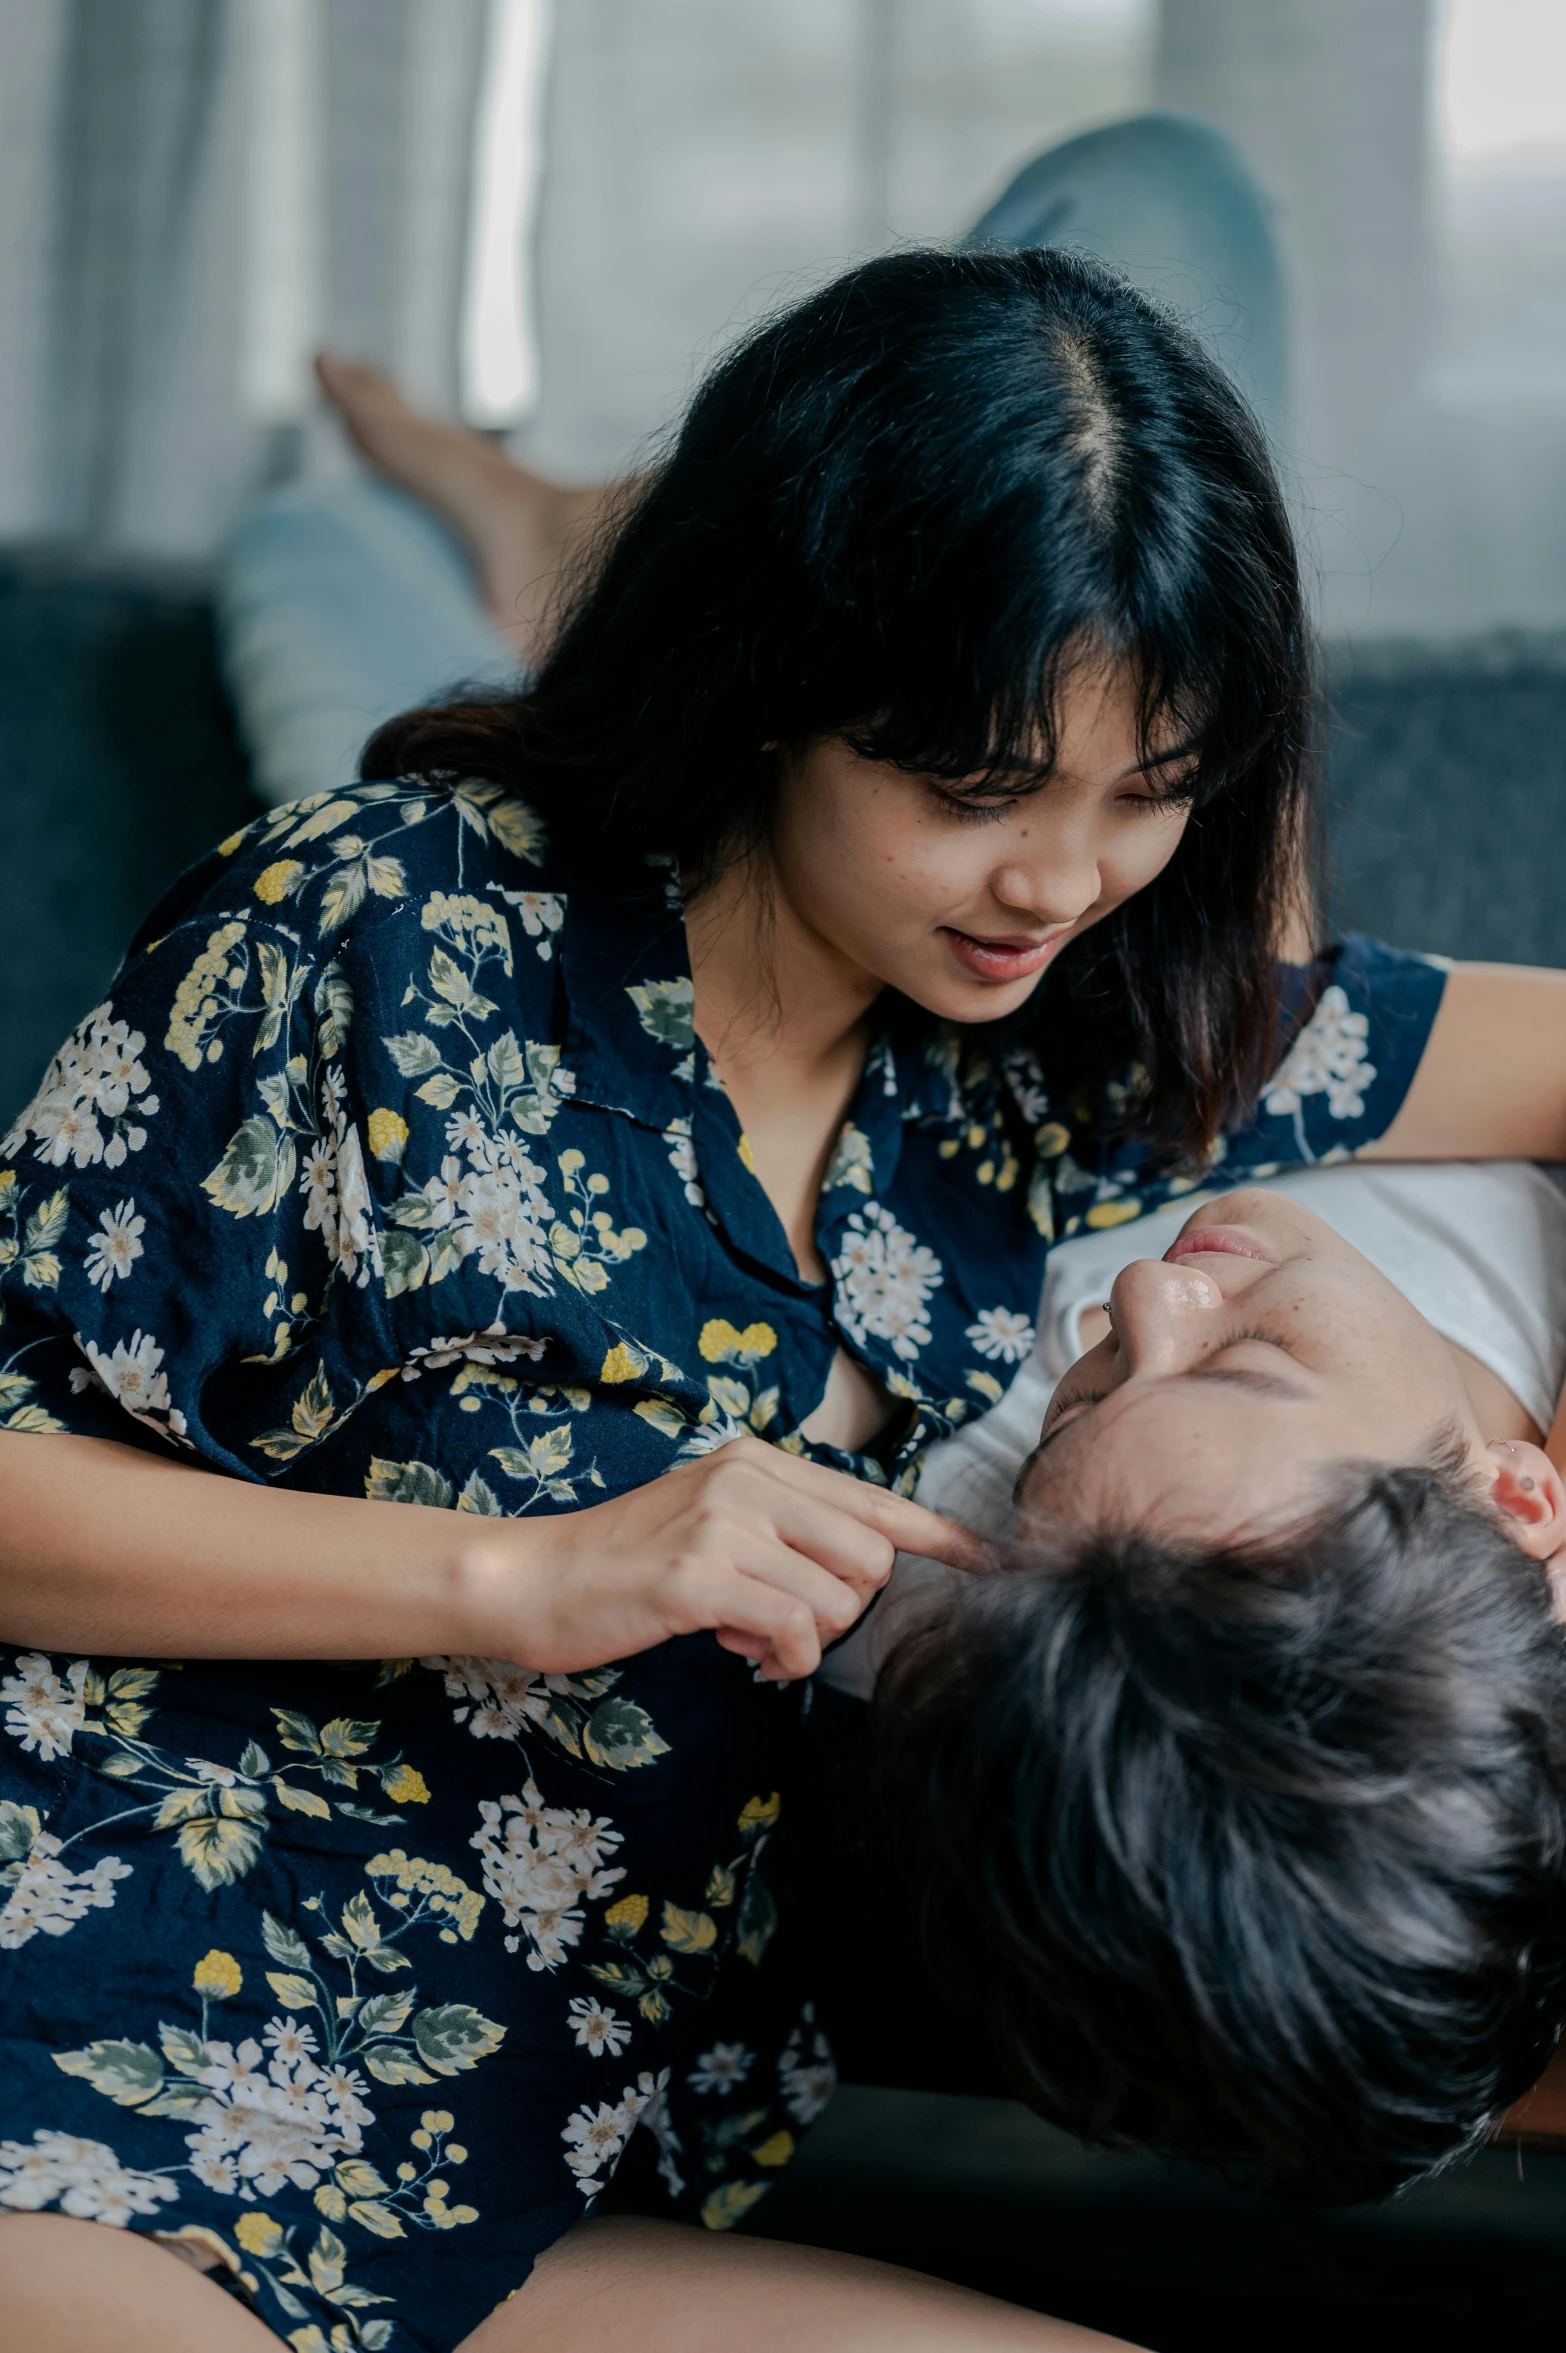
{"points": [[775, 1555]]}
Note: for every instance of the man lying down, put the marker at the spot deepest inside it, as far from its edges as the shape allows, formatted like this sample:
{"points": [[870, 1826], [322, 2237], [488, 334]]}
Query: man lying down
{"points": [[1238, 1801]]}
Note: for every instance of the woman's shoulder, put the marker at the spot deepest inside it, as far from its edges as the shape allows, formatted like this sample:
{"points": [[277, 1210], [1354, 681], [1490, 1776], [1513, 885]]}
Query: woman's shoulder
{"points": [[378, 874]]}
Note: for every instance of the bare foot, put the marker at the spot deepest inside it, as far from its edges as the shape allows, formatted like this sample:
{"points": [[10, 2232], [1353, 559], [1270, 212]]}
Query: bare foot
{"points": [[516, 524]]}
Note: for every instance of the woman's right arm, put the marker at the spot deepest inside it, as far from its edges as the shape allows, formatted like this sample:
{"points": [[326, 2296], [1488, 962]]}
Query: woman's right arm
{"points": [[110, 1550]]}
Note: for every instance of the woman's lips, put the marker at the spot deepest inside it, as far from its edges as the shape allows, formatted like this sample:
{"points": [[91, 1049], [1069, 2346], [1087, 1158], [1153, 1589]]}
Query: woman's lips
{"points": [[1005, 959], [1227, 1241]]}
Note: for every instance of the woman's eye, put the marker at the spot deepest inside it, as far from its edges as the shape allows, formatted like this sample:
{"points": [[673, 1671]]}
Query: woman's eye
{"points": [[1165, 804], [969, 812]]}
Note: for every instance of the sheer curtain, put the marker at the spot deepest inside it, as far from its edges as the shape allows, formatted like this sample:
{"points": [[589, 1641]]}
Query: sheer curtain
{"points": [[192, 192]]}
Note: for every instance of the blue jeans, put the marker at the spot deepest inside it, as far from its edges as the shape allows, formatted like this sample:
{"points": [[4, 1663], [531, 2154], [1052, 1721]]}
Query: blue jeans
{"points": [[340, 608]]}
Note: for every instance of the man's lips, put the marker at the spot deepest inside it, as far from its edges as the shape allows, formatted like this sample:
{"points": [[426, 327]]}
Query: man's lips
{"points": [[1224, 1241], [1002, 959]]}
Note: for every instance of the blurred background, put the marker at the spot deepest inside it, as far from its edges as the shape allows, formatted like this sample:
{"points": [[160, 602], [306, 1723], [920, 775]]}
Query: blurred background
{"points": [[544, 216]]}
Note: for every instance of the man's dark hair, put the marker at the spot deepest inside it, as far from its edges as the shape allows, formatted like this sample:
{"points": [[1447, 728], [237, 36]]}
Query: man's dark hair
{"points": [[903, 511], [1253, 1855]]}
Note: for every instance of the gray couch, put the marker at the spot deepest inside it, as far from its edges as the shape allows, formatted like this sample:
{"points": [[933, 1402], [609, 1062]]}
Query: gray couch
{"points": [[119, 763]]}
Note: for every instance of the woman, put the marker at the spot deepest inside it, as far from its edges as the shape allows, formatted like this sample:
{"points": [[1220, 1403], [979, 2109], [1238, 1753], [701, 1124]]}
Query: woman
{"points": [[662, 1061]]}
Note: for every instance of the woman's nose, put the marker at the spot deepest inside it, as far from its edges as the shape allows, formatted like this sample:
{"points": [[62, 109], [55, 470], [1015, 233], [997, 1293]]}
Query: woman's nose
{"points": [[1058, 886], [1163, 1316]]}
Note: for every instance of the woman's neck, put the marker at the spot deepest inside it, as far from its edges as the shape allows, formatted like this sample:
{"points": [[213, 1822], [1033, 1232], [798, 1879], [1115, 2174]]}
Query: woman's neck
{"points": [[785, 1018]]}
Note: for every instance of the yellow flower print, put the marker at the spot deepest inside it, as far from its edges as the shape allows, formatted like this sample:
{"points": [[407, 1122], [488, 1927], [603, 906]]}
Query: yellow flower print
{"points": [[274, 883], [627, 1916], [219, 1977], [777, 2150], [720, 1343], [445, 1891], [1113, 1213], [761, 1813], [472, 922], [259, 2235], [746, 1153], [388, 1133], [196, 1001], [621, 1364], [406, 1786]]}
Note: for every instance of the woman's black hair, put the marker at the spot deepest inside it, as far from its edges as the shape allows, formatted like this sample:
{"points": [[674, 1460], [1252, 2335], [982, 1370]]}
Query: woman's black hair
{"points": [[1255, 1856], [902, 511]]}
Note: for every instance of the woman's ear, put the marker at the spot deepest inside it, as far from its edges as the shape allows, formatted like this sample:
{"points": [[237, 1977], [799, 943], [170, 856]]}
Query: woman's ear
{"points": [[1527, 1489]]}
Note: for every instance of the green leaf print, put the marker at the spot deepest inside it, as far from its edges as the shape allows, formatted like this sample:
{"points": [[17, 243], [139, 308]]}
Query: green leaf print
{"points": [[388, 2063], [127, 2073], [414, 1054], [477, 1495], [408, 1482], [294, 1992], [384, 2014], [19, 1826], [455, 2036], [218, 1852], [333, 1003], [666, 1010], [285, 1947], [619, 1734], [255, 1171]]}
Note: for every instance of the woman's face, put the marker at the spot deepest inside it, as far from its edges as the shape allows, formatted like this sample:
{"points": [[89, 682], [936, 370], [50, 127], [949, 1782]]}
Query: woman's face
{"points": [[1258, 1353], [961, 904]]}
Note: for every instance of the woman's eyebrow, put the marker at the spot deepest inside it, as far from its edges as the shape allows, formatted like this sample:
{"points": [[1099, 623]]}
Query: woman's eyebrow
{"points": [[1181, 751]]}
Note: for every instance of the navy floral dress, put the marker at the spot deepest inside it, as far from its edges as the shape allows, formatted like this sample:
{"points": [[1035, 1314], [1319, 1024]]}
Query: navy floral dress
{"points": [[393, 1167]]}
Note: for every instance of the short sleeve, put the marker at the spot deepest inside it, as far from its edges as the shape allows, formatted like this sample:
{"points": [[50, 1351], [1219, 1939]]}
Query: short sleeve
{"points": [[1346, 1074], [1355, 1024], [182, 1200]]}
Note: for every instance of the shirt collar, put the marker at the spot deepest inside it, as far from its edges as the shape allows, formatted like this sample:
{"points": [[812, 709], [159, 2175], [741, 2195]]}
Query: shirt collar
{"points": [[630, 1041]]}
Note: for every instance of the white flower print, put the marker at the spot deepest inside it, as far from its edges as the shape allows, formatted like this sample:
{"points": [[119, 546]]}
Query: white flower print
{"points": [[541, 1864], [597, 2029], [337, 1191], [1328, 1057], [682, 1159], [807, 2070], [130, 1374], [851, 1162], [290, 2122], [721, 2068], [495, 1207], [116, 1246], [655, 2118], [42, 1712], [1003, 1334], [49, 1898], [1025, 1078], [494, 1345], [542, 913], [93, 1098], [503, 1699], [595, 2138], [85, 2178], [884, 1278]]}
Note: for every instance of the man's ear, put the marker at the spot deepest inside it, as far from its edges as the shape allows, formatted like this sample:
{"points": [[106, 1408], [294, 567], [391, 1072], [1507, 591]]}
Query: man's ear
{"points": [[1527, 1489]]}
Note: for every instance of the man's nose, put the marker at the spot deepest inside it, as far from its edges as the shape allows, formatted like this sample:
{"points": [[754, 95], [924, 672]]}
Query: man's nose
{"points": [[1163, 1316]]}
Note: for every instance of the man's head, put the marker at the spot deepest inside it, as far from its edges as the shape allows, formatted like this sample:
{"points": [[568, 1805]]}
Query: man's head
{"points": [[1242, 1372], [1239, 1803]]}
